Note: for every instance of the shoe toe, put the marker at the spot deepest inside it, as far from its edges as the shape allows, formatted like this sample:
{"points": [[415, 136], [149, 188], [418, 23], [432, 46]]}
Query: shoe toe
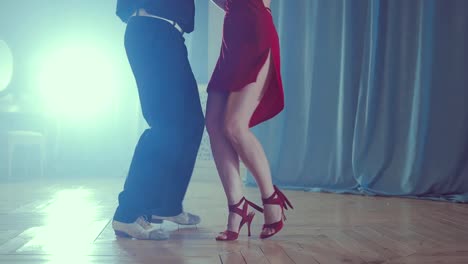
{"points": [[187, 219], [158, 235], [194, 219]]}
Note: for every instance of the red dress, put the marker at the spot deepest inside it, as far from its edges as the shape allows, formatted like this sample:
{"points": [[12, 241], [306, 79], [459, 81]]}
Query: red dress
{"points": [[249, 35]]}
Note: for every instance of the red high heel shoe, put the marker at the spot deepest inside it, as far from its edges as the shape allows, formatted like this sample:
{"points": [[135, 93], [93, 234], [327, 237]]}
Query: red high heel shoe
{"points": [[247, 218], [280, 199]]}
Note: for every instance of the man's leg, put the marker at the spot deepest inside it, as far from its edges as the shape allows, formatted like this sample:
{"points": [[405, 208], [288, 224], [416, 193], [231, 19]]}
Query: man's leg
{"points": [[185, 143], [153, 48], [187, 123]]}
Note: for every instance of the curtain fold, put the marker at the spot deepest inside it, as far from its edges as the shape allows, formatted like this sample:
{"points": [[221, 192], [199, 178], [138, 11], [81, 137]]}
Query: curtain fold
{"points": [[376, 98]]}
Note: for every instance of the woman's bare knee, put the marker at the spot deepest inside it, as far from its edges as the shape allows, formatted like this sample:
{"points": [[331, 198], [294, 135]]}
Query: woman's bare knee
{"points": [[235, 131]]}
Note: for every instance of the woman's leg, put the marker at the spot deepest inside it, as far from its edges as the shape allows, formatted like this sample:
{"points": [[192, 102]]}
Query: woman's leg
{"points": [[240, 108], [226, 158]]}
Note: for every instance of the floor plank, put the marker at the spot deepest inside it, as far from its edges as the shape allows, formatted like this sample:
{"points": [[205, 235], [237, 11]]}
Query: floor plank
{"points": [[68, 221]]}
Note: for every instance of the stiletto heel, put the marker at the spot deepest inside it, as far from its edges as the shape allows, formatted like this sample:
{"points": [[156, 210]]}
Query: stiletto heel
{"points": [[277, 198], [247, 218], [249, 221]]}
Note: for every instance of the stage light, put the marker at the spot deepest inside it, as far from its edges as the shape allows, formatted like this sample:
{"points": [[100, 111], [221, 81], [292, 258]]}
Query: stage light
{"points": [[77, 81]]}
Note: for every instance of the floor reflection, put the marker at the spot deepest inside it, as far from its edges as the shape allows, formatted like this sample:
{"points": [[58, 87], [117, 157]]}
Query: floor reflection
{"points": [[71, 226]]}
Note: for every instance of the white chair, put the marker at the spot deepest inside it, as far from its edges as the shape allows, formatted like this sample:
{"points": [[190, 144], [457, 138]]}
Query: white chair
{"points": [[17, 138]]}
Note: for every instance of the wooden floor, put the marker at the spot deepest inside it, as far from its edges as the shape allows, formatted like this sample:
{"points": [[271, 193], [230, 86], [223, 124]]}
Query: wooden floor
{"points": [[68, 222]]}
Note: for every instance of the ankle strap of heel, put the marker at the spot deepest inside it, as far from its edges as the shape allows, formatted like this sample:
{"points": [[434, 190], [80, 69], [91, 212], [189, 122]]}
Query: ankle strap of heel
{"points": [[254, 206], [242, 212], [278, 198]]}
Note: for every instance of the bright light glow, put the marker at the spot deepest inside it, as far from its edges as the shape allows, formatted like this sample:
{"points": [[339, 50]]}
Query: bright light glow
{"points": [[77, 81], [6, 65], [70, 227]]}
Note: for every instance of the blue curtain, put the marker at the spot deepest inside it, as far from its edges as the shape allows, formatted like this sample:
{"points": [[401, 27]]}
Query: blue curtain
{"points": [[376, 98]]}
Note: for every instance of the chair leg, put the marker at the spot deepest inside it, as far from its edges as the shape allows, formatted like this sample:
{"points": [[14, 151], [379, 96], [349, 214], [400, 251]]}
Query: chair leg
{"points": [[42, 160], [26, 163], [11, 148]]}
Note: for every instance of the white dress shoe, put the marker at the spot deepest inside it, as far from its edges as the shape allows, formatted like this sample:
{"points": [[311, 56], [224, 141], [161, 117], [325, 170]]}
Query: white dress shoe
{"points": [[183, 218], [140, 229]]}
